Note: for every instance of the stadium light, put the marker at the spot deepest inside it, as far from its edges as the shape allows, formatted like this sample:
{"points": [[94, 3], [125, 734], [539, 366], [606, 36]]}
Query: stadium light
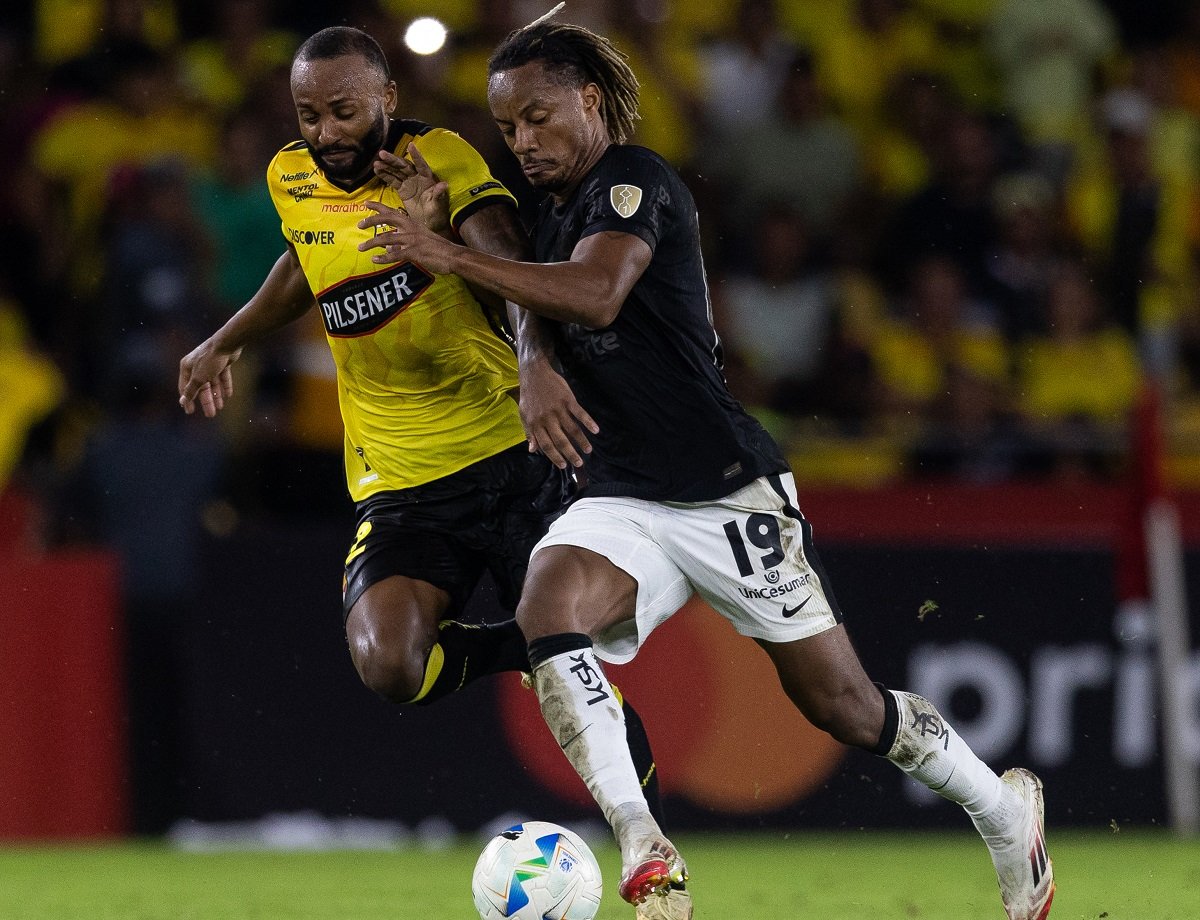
{"points": [[425, 35]]}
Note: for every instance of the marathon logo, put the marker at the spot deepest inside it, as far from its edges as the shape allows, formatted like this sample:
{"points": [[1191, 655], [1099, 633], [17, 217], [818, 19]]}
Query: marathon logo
{"points": [[344, 208], [487, 186], [359, 306], [310, 237]]}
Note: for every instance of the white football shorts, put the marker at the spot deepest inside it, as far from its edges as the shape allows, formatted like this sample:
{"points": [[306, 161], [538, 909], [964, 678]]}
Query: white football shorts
{"points": [[749, 555]]}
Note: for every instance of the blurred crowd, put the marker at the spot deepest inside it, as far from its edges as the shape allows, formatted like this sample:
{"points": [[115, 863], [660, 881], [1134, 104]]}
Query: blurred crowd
{"points": [[945, 237]]}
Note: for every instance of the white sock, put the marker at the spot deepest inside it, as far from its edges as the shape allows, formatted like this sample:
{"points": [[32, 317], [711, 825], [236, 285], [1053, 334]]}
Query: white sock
{"points": [[933, 753], [583, 712]]}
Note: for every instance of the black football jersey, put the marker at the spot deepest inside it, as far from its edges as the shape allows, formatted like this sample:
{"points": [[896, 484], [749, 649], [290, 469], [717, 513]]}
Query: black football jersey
{"points": [[652, 380]]}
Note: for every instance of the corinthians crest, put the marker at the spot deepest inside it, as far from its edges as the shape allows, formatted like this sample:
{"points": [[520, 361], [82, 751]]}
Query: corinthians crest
{"points": [[625, 199]]}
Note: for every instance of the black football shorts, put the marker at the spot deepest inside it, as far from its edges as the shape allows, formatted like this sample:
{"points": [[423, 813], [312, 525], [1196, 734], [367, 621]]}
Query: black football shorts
{"points": [[487, 516]]}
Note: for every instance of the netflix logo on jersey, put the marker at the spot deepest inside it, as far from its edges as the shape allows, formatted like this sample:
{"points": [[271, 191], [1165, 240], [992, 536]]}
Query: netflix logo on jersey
{"points": [[359, 306]]}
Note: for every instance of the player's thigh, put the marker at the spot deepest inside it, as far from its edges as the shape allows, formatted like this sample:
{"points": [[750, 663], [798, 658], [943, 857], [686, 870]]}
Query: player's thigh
{"points": [[572, 589], [751, 557], [599, 571]]}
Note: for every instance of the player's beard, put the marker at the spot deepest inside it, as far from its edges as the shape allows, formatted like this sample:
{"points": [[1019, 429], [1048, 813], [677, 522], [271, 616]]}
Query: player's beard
{"points": [[364, 154]]}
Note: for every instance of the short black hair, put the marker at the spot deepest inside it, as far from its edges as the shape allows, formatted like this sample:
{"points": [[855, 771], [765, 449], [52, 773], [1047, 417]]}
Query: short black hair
{"points": [[575, 56], [340, 41]]}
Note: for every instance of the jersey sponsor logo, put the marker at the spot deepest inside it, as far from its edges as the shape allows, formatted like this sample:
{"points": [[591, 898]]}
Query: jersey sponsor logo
{"points": [[789, 612], [589, 679], [359, 306], [295, 177], [310, 237], [625, 199], [343, 208], [775, 591], [480, 189], [587, 346], [301, 192]]}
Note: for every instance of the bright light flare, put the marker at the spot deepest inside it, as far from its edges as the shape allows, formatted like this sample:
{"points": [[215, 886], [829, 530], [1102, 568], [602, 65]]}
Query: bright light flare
{"points": [[425, 35]]}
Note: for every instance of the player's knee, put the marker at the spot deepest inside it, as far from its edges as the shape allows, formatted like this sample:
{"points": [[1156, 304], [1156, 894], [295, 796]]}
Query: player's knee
{"points": [[395, 672]]}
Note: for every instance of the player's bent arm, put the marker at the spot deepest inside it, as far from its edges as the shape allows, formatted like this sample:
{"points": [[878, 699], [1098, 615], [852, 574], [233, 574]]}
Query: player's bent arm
{"points": [[497, 230], [589, 289], [554, 422], [205, 372], [283, 298]]}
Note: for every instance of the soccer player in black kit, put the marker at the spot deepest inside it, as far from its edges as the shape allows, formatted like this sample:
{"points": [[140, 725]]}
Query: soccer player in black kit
{"points": [[681, 490]]}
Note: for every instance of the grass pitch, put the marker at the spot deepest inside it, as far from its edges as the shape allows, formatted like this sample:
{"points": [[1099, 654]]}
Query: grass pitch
{"points": [[1130, 875]]}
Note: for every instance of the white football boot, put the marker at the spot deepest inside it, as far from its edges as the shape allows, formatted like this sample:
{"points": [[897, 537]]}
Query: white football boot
{"points": [[650, 862], [1023, 866], [676, 904]]}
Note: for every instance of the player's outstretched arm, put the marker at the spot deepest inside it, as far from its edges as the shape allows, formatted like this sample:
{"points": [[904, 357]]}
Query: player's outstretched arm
{"points": [[589, 289], [206, 372]]}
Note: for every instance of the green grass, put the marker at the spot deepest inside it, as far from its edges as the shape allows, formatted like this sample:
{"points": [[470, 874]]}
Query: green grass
{"points": [[1131, 875]]}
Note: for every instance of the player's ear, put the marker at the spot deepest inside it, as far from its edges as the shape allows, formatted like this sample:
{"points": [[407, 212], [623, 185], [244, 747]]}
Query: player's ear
{"points": [[593, 99], [391, 96]]}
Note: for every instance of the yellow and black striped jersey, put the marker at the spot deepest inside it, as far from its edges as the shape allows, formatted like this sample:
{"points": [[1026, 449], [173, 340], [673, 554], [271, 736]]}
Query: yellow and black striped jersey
{"points": [[423, 377]]}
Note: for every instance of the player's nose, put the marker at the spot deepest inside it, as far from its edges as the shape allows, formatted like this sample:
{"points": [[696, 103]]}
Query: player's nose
{"points": [[328, 133], [524, 139]]}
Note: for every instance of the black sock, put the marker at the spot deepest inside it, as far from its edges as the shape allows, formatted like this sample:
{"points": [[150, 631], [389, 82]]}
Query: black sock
{"points": [[469, 651], [891, 723], [643, 759]]}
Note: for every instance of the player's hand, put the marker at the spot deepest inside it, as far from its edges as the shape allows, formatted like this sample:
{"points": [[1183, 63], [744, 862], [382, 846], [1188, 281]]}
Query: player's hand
{"points": [[425, 197], [404, 239], [206, 377], [555, 423]]}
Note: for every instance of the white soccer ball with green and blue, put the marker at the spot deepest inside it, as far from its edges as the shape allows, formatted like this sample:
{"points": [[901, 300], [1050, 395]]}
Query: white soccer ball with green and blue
{"points": [[537, 871]]}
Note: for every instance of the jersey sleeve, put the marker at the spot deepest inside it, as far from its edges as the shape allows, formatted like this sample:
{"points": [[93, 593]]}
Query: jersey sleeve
{"points": [[631, 193], [456, 162]]}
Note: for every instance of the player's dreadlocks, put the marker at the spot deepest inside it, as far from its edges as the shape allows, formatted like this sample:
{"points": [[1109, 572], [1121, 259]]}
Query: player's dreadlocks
{"points": [[575, 56]]}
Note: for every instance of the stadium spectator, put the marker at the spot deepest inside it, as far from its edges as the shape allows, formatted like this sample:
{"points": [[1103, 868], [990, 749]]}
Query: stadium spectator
{"points": [[1137, 224], [804, 158], [1078, 378], [938, 326], [240, 47], [952, 214], [155, 296], [901, 146], [776, 320], [1029, 239], [677, 474], [874, 42], [66, 30], [138, 118], [744, 68], [1048, 53]]}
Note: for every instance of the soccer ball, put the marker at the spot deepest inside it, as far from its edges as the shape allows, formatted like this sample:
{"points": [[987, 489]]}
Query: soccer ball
{"points": [[537, 871]]}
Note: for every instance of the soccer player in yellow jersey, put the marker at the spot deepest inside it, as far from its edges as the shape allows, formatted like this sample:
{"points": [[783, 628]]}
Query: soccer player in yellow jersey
{"points": [[435, 451]]}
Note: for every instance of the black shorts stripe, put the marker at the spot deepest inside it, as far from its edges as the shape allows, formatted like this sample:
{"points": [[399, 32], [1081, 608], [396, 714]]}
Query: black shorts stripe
{"points": [[810, 550]]}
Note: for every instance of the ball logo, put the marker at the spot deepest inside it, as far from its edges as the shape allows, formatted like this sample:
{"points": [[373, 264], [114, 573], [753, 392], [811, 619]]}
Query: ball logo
{"points": [[625, 199]]}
